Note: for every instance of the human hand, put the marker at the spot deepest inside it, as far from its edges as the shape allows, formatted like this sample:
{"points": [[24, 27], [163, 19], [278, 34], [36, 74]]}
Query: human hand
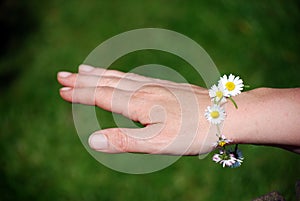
{"points": [[171, 113]]}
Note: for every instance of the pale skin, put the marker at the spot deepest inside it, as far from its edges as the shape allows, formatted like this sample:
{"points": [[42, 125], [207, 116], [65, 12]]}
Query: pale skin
{"points": [[173, 114]]}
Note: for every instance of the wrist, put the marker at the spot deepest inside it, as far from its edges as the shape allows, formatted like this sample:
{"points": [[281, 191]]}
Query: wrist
{"points": [[262, 117], [240, 125]]}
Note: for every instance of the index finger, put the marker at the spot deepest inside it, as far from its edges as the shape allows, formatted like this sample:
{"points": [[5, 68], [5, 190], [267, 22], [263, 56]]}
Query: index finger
{"points": [[111, 99]]}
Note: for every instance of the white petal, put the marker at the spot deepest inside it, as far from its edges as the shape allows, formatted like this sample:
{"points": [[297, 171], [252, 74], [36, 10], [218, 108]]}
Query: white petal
{"points": [[231, 78]]}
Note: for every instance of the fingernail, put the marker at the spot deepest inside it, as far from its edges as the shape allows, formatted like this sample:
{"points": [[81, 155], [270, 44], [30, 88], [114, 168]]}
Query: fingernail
{"points": [[98, 142], [64, 74], [65, 88], [85, 68]]}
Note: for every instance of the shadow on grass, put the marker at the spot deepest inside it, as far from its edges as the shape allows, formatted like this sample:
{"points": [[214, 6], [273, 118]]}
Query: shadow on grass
{"points": [[18, 20]]}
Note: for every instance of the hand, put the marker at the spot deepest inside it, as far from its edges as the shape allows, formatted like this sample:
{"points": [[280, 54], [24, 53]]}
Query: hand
{"points": [[171, 113]]}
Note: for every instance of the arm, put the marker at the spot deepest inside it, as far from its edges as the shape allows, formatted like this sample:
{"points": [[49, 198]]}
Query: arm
{"points": [[265, 117], [173, 114]]}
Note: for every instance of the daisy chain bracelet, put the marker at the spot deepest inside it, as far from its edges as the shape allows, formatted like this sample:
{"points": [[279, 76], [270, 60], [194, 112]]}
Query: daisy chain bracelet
{"points": [[227, 88]]}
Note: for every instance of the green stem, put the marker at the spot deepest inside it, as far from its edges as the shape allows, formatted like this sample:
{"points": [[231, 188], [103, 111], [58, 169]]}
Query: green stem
{"points": [[234, 103], [220, 100], [218, 130], [236, 148]]}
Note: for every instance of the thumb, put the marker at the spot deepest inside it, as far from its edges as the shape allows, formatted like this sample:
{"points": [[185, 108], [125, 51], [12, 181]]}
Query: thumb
{"points": [[120, 140]]}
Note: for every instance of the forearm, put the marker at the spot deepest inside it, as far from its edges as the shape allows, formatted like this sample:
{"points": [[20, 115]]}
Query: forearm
{"points": [[265, 116]]}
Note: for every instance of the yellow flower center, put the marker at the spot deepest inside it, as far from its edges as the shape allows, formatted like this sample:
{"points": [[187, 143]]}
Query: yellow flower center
{"points": [[222, 143], [214, 114], [219, 94], [230, 86]]}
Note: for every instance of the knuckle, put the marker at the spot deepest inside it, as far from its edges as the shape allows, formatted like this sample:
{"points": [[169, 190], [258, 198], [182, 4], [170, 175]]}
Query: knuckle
{"points": [[121, 141], [97, 96], [150, 90], [112, 81]]}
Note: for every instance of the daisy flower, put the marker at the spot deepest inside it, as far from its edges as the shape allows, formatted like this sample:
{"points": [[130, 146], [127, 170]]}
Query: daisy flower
{"points": [[215, 114], [216, 158], [218, 93], [233, 84], [222, 141], [229, 160], [224, 159]]}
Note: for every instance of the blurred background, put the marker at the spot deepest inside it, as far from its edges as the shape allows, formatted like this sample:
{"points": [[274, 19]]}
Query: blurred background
{"points": [[42, 157]]}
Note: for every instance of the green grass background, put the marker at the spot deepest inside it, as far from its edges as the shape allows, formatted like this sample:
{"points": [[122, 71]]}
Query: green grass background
{"points": [[42, 157]]}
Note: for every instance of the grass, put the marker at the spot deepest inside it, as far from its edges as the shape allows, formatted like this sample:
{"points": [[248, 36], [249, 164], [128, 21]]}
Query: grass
{"points": [[42, 157]]}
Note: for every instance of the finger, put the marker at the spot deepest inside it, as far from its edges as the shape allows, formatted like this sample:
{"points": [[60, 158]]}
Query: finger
{"points": [[79, 80], [149, 139], [99, 96], [89, 70], [64, 78], [111, 99]]}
